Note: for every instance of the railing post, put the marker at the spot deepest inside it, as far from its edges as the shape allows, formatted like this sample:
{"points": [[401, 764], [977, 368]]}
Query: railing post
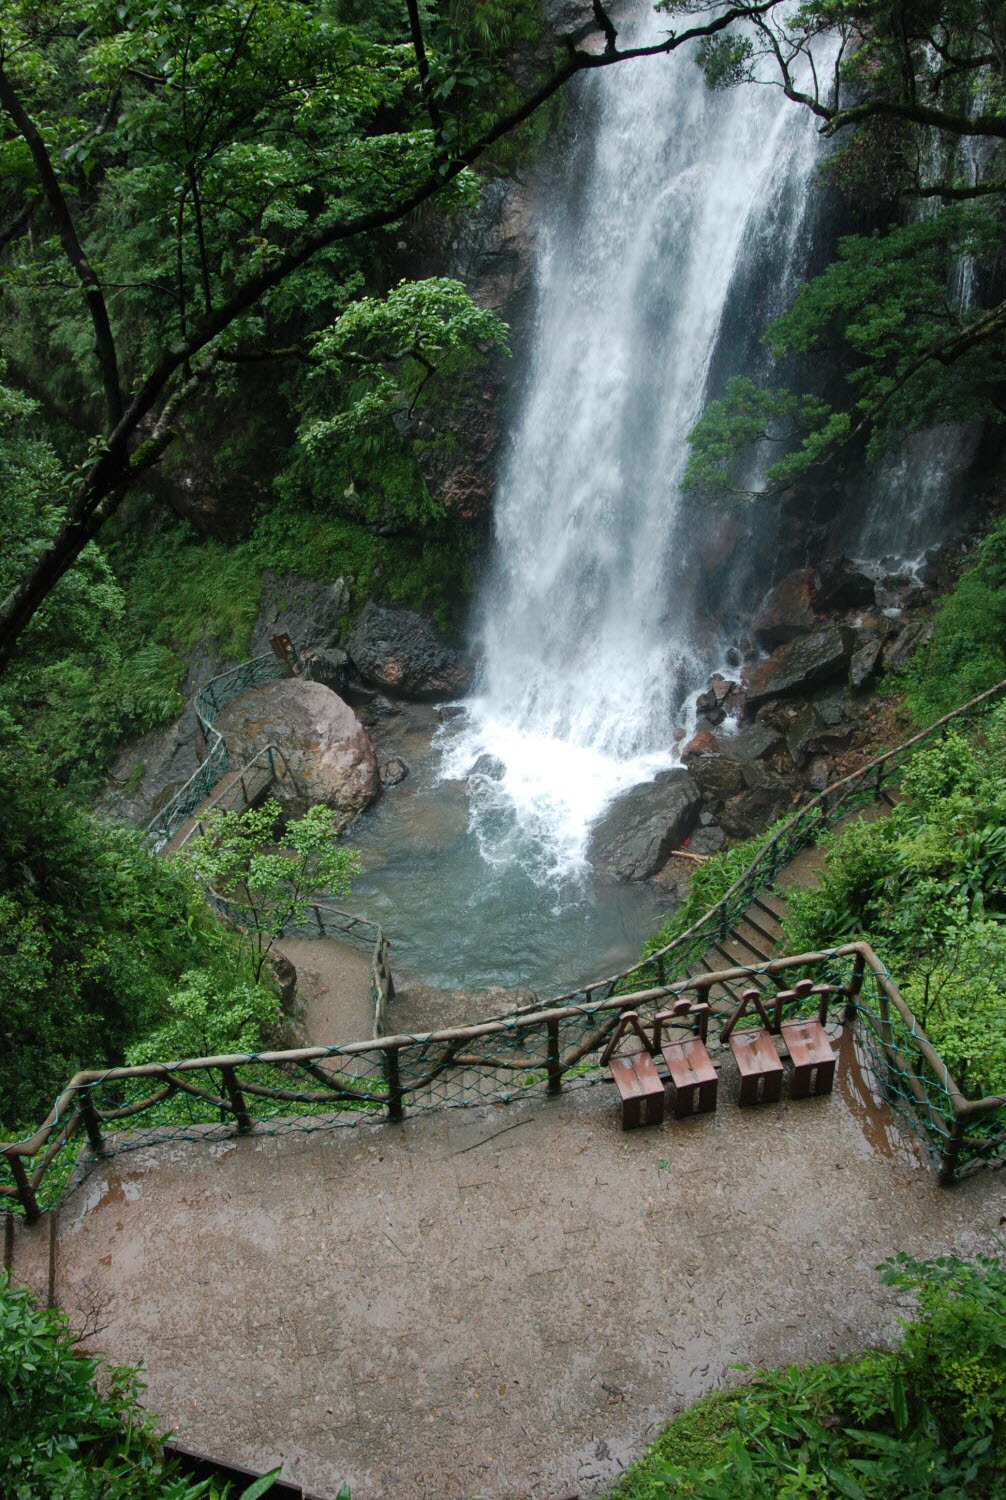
{"points": [[951, 1151], [393, 1079], [854, 988], [237, 1100], [92, 1124], [553, 1057], [25, 1191]]}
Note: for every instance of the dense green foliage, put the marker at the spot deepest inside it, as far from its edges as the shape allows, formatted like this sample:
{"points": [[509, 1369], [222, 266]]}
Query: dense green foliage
{"points": [[72, 1426], [967, 653], [926, 887], [926, 1421], [100, 944]]}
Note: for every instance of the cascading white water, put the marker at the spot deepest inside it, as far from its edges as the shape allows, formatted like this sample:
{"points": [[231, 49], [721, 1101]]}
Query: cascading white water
{"points": [[590, 640]]}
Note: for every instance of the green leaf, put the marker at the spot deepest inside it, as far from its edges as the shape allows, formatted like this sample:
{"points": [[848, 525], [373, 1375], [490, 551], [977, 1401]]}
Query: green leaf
{"points": [[262, 1485]]}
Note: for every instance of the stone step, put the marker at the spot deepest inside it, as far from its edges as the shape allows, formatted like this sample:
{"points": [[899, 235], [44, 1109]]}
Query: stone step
{"points": [[768, 929], [770, 906]]}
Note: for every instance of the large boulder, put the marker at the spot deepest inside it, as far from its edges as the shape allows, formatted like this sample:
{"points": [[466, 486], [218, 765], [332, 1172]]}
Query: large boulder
{"points": [[801, 664], [898, 652], [839, 585], [399, 650], [716, 776], [329, 752], [765, 798], [787, 610], [644, 825]]}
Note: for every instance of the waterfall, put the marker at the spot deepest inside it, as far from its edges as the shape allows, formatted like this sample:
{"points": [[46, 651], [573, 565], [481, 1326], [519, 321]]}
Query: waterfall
{"points": [[665, 198]]}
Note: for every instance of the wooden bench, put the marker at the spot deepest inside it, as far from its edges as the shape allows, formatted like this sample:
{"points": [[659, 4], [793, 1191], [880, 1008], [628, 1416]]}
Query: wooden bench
{"points": [[688, 1062], [758, 1062], [635, 1075], [807, 1042]]}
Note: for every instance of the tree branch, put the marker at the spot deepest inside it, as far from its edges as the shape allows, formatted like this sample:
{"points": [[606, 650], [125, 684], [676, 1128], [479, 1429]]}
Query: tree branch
{"points": [[104, 341], [423, 69]]}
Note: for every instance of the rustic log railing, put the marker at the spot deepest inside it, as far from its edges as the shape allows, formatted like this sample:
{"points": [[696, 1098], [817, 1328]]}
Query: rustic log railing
{"points": [[542, 1052]]}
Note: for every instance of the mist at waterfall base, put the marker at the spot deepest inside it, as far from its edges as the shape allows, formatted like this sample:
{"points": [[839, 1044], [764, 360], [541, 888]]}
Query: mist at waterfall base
{"points": [[671, 228]]}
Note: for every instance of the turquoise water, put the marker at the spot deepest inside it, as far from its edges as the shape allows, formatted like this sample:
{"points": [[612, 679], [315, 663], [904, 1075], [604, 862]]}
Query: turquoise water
{"points": [[456, 920]]}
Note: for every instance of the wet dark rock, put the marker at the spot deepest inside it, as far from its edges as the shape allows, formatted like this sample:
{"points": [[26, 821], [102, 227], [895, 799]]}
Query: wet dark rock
{"points": [[310, 613], [489, 766], [399, 650], [148, 772], [840, 586], [804, 736], [572, 19], [905, 644], [787, 611], [379, 708], [716, 776], [642, 827], [721, 698], [708, 840], [818, 774], [865, 663], [328, 665], [902, 591], [834, 708], [755, 808], [449, 711], [393, 771], [802, 664], [753, 742]]}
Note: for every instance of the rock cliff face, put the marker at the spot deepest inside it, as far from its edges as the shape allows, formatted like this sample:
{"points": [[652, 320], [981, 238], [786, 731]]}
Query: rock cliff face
{"points": [[399, 650]]}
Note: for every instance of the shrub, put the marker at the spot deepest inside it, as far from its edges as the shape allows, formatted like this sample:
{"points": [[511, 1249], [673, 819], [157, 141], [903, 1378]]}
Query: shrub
{"points": [[62, 1435], [967, 653], [926, 1421]]}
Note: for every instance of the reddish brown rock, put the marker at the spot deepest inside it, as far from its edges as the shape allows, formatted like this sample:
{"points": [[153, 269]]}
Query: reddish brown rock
{"points": [[702, 741], [788, 610], [801, 664]]}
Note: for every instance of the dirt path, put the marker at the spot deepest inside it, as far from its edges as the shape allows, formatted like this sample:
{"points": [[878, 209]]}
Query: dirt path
{"points": [[334, 1003], [502, 1302]]}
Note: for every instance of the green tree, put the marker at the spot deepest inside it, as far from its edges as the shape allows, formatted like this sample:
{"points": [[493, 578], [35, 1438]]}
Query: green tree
{"points": [[175, 176], [273, 887]]}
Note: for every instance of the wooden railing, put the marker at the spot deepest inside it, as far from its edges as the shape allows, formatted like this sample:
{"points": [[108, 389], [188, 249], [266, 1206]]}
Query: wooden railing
{"points": [[512, 1056]]}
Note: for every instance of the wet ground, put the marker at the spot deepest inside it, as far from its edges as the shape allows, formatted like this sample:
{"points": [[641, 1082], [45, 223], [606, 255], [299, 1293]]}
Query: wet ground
{"points": [[502, 1302]]}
